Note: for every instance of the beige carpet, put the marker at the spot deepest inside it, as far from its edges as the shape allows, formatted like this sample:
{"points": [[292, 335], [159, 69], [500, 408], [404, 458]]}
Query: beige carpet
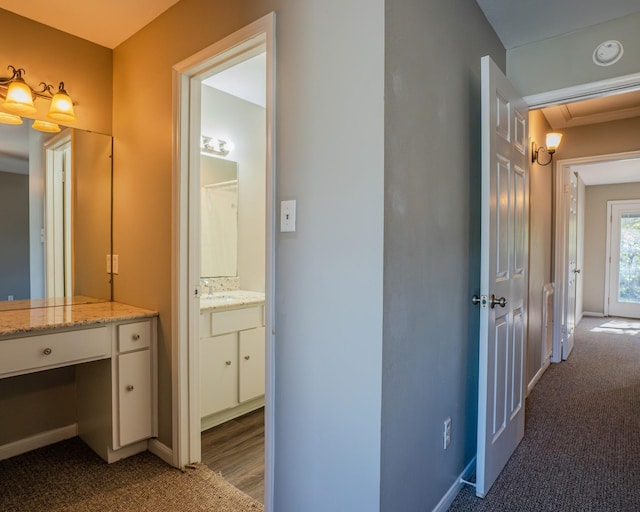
{"points": [[68, 476]]}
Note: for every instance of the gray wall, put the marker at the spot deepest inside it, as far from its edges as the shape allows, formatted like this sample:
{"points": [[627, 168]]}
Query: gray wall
{"points": [[432, 186], [14, 235], [567, 60], [595, 239]]}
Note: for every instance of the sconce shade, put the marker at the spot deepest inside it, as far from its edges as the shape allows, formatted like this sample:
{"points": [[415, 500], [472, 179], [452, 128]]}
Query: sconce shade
{"points": [[10, 118], [553, 141], [45, 126], [19, 98], [62, 107]]}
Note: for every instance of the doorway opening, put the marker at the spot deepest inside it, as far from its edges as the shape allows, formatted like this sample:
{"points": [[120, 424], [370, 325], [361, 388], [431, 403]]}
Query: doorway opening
{"points": [[224, 240], [58, 204]]}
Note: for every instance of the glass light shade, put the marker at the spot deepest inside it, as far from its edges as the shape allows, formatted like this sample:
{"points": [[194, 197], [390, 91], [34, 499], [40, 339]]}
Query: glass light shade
{"points": [[10, 118], [553, 141], [45, 126], [61, 107], [19, 98]]}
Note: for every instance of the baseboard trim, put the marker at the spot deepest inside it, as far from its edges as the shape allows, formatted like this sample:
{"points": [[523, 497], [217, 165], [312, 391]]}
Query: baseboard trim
{"points": [[453, 491], [537, 376], [38, 441], [161, 450], [592, 313]]}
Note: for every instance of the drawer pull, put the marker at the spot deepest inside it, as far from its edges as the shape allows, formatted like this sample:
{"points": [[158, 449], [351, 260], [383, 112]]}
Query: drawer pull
{"points": [[228, 363], [247, 358], [135, 337], [129, 387], [47, 351]]}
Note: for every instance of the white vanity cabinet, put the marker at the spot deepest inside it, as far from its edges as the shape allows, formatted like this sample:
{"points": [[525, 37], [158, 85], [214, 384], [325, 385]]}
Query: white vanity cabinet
{"points": [[232, 361], [112, 347], [117, 397]]}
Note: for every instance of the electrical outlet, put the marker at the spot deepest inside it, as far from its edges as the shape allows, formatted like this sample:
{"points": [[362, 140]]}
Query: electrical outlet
{"points": [[446, 433]]}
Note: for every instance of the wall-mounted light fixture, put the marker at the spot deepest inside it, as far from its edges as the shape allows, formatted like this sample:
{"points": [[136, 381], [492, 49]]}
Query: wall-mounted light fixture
{"points": [[18, 98], [553, 141], [215, 147]]}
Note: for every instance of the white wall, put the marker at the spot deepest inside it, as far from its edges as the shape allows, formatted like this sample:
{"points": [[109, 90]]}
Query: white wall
{"points": [[243, 123]]}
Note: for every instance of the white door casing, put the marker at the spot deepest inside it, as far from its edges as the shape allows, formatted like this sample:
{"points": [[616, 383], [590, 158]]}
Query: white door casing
{"points": [[617, 302], [504, 273], [185, 282]]}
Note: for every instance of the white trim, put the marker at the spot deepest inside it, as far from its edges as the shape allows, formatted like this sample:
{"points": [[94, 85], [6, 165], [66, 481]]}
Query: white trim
{"points": [[446, 501], [626, 83], [161, 450], [186, 421], [592, 313], [607, 259], [38, 441], [538, 375]]}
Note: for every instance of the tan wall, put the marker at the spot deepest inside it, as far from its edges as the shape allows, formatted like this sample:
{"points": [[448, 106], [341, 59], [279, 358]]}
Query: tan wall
{"points": [[51, 56], [36, 403], [540, 244], [599, 139], [142, 128], [595, 239]]}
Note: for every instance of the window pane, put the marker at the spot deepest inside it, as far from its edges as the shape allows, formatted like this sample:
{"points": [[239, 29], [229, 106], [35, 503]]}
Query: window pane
{"points": [[629, 273]]}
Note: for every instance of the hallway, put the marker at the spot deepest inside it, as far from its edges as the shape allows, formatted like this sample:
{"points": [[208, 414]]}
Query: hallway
{"points": [[581, 450]]}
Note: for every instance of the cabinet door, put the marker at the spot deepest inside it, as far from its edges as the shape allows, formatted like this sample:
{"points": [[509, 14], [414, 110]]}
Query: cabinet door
{"points": [[135, 420], [252, 362], [218, 373]]}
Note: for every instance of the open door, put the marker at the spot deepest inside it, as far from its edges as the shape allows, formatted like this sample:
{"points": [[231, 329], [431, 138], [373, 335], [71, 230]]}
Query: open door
{"points": [[572, 268], [504, 256]]}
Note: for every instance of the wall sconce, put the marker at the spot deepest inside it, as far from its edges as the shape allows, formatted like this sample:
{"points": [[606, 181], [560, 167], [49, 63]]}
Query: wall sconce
{"points": [[18, 98], [215, 147], [553, 141]]}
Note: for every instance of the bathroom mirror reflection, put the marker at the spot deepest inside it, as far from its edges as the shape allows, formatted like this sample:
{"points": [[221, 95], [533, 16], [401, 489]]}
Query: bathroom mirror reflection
{"points": [[219, 217], [55, 216]]}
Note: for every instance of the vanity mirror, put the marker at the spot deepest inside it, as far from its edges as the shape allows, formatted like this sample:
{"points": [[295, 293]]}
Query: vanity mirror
{"points": [[219, 217], [55, 216]]}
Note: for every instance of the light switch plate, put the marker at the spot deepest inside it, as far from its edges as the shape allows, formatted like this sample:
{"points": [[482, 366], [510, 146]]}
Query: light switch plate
{"points": [[288, 216]]}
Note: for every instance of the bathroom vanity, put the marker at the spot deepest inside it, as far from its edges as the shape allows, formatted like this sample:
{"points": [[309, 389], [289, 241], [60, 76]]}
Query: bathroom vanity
{"points": [[232, 355], [113, 349]]}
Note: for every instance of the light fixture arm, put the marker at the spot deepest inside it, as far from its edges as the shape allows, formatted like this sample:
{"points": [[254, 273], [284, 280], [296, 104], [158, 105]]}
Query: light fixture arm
{"points": [[535, 153], [46, 91]]}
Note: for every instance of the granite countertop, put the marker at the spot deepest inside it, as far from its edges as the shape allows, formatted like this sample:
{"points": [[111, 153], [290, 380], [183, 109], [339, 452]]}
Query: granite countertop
{"points": [[9, 305], [24, 321], [230, 299]]}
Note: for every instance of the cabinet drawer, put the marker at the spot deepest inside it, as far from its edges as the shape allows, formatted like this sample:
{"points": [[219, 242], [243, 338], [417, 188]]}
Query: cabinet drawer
{"points": [[134, 336], [236, 320], [52, 350]]}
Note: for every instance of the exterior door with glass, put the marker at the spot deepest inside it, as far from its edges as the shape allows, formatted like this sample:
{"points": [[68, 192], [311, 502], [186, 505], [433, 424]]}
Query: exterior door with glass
{"points": [[623, 298]]}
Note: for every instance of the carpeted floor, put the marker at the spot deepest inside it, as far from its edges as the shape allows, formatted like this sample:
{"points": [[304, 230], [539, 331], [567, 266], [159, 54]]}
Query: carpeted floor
{"points": [[581, 450], [69, 477]]}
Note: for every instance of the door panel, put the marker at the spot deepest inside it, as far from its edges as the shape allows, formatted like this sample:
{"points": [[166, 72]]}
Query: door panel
{"points": [[504, 256]]}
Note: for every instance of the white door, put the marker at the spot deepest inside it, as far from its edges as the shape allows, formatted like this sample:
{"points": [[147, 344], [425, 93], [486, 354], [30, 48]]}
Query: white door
{"points": [[572, 270], [624, 262], [503, 274]]}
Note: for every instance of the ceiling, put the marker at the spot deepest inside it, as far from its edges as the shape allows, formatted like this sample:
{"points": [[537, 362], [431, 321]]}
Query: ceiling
{"points": [[519, 22], [608, 173], [104, 23], [246, 80], [516, 22]]}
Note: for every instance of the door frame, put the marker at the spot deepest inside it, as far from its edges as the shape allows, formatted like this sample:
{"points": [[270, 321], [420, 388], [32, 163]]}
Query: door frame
{"points": [[608, 87], [185, 289]]}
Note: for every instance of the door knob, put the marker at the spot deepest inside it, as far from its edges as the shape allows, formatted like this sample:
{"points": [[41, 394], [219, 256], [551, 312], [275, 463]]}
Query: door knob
{"points": [[502, 302]]}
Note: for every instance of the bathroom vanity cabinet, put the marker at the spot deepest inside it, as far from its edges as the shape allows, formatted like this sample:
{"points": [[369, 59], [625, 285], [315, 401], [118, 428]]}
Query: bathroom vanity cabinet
{"points": [[232, 359], [113, 349]]}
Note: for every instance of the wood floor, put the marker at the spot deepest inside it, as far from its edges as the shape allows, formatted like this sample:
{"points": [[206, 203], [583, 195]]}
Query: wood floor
{"points": [[236, 449]]}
